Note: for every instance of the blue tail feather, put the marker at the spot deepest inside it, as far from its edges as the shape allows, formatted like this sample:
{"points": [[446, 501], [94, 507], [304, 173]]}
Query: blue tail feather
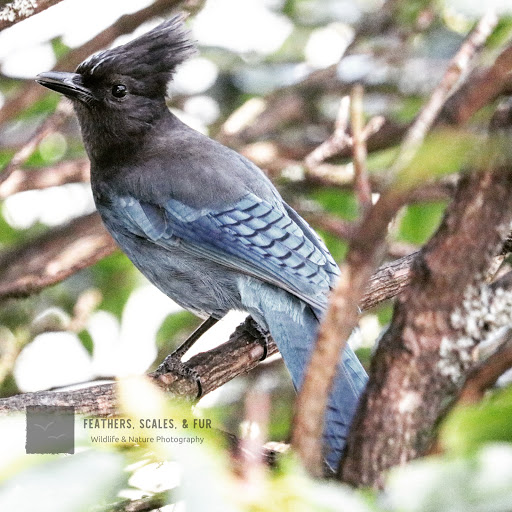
{"points": [[294, 326]]}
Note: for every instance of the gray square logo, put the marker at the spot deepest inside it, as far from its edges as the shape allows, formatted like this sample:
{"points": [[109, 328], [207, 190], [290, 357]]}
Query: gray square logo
{"points": [[50, 429]]}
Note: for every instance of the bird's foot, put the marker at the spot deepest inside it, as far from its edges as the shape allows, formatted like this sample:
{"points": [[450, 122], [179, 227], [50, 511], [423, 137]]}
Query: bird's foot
{"points": [[260, 334], [173, 364]]}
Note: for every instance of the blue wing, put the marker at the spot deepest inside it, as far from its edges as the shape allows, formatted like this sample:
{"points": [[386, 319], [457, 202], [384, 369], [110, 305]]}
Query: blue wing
{"points": [[253, 236]]}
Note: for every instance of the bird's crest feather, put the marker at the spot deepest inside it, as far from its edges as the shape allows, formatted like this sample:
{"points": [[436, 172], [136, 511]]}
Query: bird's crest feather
{"points": [[156, 53]]}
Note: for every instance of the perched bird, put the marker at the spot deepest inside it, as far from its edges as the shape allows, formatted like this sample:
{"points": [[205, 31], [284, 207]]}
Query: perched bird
{"points": [[200, 221]]}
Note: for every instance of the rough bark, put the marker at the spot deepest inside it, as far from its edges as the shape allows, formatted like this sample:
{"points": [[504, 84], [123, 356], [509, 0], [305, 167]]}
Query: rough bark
{"points": [[389, 281], [423, 358]]}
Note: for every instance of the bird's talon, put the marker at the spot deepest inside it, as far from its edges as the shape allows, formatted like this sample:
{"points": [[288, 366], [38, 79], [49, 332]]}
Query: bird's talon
{"points": [[260, 334], [173, 364]]}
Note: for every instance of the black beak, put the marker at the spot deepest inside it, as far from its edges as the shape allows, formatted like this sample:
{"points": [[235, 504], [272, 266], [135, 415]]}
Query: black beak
{"points": [[69, 84]]}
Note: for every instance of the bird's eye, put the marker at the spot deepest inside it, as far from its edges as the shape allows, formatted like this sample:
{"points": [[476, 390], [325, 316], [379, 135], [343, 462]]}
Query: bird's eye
{"points": [[119, 90]]}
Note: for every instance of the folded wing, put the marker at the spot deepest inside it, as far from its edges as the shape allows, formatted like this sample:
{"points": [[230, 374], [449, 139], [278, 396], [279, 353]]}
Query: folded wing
{"points": [[252, 236]]}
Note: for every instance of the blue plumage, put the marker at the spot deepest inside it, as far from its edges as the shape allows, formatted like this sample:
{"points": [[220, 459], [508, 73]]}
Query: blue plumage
{"points": [[203, 223], [251, 236]]}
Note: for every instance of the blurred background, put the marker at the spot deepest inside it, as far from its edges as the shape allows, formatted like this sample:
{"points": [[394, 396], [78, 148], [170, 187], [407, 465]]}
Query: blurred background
{"points": [[267, 81]]}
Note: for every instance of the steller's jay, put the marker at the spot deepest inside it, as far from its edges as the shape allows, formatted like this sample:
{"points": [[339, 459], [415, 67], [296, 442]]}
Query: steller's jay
{"points": [[200, 221]]}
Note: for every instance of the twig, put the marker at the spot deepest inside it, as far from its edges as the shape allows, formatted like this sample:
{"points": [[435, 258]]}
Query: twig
{"points": [[146, 504], [19, 10], [457, 67], [485, 375], [330, 223], [250, 456], [85, 305], [336, 142], [362, 183], [482, 86]]}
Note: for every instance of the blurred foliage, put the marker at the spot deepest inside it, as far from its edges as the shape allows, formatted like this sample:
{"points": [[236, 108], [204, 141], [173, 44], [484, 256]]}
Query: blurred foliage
{"points": [[116, 277], [398, 67], [468, 428], [443, 152], [419, 222], [202, 474], [501, 33], [176, 327]]}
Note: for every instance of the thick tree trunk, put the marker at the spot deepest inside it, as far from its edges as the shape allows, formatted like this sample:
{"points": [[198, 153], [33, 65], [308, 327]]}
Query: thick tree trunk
{"points": [[425, 355]]}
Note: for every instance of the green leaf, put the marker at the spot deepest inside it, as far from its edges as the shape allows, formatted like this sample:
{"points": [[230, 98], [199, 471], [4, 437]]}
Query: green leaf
{"points": [[364, 354], [339, 202], [501, 34], [87, 341], [421, 221], [59, 48], [409, 108], [380, 160], [446, 151], [8, 235], [337, 247], [385, 313], [175, 327], [46, 105], [467, 428], [116, 277]]}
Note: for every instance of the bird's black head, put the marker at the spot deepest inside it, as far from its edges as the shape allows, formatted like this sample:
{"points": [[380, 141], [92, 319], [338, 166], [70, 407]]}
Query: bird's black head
{"points": [[118, 94]]}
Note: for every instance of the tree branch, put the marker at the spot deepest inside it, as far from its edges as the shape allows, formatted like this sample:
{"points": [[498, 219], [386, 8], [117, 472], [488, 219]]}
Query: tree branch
{"points": [[49, 125], [215, 367], [482, 86], [388, 281], [485, 375], [20, 180], [54, 256], [424, 356], [19, 10], [362, 182]]}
